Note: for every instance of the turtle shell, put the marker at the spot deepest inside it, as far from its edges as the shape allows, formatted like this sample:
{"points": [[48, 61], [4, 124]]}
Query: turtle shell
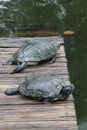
{"points": [[35, 50], [42, 87]]}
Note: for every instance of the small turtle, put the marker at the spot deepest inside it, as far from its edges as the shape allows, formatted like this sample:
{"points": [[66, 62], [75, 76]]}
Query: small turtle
{"points": [[33, 52], [45, 88]]}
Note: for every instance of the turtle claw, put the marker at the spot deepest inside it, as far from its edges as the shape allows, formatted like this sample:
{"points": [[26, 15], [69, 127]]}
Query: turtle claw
{"points": [[46, 101], [14, 71]]}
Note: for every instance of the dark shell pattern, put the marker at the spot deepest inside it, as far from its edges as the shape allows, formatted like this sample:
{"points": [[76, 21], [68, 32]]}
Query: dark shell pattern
{"points": [[42, 87], [35, 50]]}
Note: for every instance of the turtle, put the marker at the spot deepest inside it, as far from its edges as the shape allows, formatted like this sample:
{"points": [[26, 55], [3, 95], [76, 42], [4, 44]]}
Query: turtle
{"points": [[44, 88], [32, 52]]}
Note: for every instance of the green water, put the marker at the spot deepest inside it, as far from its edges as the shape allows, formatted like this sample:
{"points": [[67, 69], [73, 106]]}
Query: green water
{"points": [[27, 17]]}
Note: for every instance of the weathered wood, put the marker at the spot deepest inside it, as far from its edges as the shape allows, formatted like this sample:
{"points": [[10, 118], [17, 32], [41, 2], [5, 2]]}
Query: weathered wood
{"points": [[17, 42], [18, 112]]}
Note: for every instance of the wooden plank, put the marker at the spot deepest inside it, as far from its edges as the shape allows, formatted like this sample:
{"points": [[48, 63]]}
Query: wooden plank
{"points": [[55, 125], [5, 50], [40, 70], [18, 112], [17, 42]]}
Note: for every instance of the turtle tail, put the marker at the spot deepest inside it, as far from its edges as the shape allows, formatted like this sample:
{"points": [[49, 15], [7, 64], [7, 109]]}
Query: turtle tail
{"points": [[11, 91], [19, 68], [9, 62]]}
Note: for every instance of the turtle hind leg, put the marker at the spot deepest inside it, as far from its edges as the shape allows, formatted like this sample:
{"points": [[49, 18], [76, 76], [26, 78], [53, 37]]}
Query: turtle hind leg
{"points": [[50, 60], [11, 91], [9, 62], [19, 68]]}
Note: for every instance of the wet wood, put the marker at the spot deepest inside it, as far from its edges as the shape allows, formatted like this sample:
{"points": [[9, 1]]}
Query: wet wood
{"points": [[18, 112]]}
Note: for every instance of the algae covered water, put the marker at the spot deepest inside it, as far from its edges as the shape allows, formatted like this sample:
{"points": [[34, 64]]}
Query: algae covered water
{"points": [[53, 17]]}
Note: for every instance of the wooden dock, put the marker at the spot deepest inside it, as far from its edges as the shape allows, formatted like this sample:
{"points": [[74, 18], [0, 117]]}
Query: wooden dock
{"points": [[17, 112]]}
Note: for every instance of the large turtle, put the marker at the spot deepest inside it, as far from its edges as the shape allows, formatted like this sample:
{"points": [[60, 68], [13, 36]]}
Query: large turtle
{"points": [[33, 52], [45, 88]]}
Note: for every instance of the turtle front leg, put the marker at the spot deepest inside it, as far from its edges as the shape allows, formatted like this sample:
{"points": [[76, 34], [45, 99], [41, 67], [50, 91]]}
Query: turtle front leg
{"points": [[46, 101]]}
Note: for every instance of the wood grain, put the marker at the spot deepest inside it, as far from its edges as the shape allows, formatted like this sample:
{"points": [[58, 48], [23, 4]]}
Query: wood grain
{"points": [[18, 112]]}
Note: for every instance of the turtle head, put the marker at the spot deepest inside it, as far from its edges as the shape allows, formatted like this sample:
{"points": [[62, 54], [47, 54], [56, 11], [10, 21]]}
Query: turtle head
{"points": [[65, 92], [68, 88]]}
